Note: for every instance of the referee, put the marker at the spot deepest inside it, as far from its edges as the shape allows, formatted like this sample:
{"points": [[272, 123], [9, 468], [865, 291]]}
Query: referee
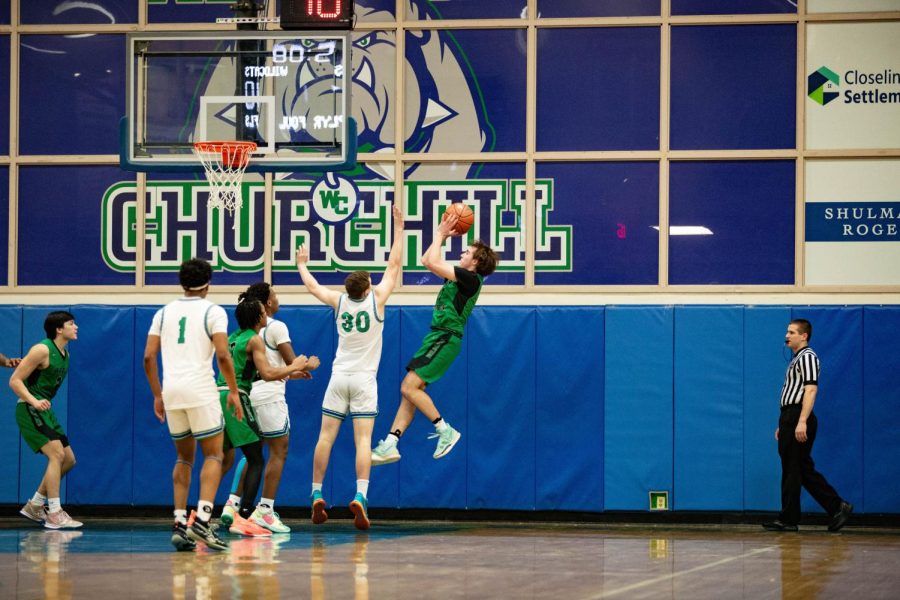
{"points": [[796, 433]]}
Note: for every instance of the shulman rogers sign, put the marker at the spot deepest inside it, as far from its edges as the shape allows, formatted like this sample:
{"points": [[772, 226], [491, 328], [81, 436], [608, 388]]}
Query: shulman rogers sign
{"points": [[852, 221]]}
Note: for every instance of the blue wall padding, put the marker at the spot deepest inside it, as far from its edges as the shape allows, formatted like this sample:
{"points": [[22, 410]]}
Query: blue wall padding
{"points": [[708, 441], [881, 391], [838, 450], [764, 365], [424, 481], [11, 340], [32, 465], [101, 389], [569, 375], [583, 408], [501, 424], [638, 442]]}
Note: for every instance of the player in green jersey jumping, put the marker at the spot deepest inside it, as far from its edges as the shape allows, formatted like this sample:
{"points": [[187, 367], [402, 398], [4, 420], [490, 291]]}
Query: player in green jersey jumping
{"points": [[36, 381], [454, 304]]}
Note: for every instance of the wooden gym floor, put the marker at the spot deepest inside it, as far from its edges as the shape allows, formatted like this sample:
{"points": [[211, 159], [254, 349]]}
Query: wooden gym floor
{"points": [[399, 560]]}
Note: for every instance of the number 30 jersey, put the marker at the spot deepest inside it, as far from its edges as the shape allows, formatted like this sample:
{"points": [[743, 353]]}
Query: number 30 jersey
{"points": [[185, 327], [359, 328]]}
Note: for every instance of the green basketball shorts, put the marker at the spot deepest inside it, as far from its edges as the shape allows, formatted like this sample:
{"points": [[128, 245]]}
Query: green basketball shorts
{"points": [[438, 351], [239, 433], [39, 427]]}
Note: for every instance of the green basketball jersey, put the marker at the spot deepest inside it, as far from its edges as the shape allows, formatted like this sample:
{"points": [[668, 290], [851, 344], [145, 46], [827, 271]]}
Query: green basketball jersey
{"points": [[43, 383], [456, 300], [244, 368]]}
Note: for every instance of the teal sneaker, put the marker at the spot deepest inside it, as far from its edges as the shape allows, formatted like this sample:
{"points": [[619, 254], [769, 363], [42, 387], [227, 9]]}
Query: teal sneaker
{"points": [[360, 509], [319, 515], [446, 440], [385, 454], [227, 516]]}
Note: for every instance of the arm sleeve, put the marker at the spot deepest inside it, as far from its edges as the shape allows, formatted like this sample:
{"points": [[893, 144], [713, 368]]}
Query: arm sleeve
{"points": [[809, 368], [156, 324], [217, 320], [466, 281]]}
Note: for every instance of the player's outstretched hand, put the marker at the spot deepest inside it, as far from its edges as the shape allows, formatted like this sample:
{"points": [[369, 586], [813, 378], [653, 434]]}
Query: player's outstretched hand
{"points": [[302, 255], [313, 363], [398, 218], [300, 363]]}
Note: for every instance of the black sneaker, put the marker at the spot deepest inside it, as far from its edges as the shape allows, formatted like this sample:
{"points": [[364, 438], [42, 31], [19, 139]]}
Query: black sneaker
{"points": [[202, 532], [779, 526], [180, 538], [840, 519]]}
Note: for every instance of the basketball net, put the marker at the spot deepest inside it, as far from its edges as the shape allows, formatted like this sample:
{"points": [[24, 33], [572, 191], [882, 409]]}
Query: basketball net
{"points": [[224, 163]]}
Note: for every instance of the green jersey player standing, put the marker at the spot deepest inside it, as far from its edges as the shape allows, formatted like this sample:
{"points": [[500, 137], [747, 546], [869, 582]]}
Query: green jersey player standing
{"points": [[35, 381], [454, 304]]}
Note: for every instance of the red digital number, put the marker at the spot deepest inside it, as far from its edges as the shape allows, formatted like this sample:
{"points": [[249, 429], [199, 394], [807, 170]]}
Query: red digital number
{"points": [[314, 8]]}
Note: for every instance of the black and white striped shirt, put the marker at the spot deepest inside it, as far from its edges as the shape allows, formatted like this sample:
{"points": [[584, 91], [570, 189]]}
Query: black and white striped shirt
{"points": [[803, 371]]}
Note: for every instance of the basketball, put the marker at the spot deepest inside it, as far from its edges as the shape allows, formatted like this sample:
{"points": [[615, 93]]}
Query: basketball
{"points": [[466, 216]]}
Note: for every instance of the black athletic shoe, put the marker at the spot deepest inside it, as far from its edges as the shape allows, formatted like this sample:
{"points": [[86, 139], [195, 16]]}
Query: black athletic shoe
{"points": [[840, 519], [779, 526], [203, 532], [180, 538]]}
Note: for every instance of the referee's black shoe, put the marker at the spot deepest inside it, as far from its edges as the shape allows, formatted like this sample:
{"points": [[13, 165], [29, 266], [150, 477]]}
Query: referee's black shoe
{"points": [[840, 519], [778, 526]]}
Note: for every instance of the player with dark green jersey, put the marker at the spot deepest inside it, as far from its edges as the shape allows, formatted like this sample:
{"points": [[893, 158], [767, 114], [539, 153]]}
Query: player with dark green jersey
{"points": [[36, 381], [441, 346], [250, 363]]}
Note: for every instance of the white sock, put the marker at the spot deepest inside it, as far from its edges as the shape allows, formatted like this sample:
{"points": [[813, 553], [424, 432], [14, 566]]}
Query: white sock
{"points": [[204, 511], [317, 487], [180, 515], [362, 487], [234, 500], [391, 439], [38, 499], [266, 505], [441, 425], [55, 506]]}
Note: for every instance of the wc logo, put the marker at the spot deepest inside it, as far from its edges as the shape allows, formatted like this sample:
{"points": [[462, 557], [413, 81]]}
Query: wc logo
{"points": [[822, 85]]}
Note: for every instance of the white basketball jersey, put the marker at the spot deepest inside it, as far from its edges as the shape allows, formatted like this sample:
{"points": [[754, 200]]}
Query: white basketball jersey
{"points": [[359, 328], [185, 328], [273, 335]]}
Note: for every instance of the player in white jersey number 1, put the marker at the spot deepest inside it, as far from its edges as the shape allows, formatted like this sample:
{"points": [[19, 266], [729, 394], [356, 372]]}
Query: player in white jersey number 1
{"points": [[353, 388]]}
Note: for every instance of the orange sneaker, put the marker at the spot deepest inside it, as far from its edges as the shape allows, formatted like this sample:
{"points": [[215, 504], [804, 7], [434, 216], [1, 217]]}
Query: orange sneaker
{"points": [[243, 526]]}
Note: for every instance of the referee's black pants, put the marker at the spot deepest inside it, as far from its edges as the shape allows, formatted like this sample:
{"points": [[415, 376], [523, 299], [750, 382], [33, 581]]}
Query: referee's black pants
{"points": [[798, 469]]}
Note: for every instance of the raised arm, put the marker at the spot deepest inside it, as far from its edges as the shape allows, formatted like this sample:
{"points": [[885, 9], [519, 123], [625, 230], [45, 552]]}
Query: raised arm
{"points": [[37, 358], [326, 296], [432, 259], [395, 262]]}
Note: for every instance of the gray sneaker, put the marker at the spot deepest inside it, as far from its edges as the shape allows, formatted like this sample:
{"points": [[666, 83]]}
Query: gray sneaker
{"points": [[385, 454], [204, 532], [180, 538], [35, 512], [61, 520], [446, 440]]}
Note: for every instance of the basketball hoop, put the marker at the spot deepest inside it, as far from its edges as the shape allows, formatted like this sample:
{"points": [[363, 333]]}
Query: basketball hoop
{"points": [[224, 163]]}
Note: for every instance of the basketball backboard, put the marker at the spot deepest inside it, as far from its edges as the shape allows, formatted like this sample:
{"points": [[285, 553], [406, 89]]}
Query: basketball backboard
{"points": [[285, 91]]}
